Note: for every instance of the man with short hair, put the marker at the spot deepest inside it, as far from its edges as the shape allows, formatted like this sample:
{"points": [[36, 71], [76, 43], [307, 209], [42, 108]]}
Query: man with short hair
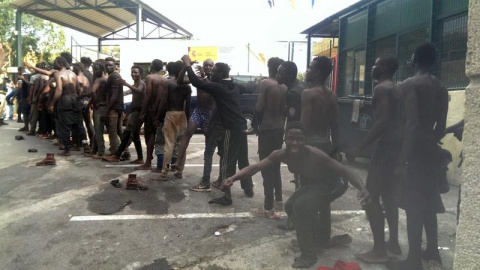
{"points": [[200, 119], [270, 106], [68, 107], [426, 107], [316, 169], [287, 74], [223, 91], [175, 105], [387, 102], [134, 124], [87, 62], [114, 106], [154, 85]]}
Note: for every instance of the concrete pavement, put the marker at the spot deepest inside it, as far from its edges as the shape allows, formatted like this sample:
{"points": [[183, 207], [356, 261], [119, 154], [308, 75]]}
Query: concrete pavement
{"points": [[49, 217]]}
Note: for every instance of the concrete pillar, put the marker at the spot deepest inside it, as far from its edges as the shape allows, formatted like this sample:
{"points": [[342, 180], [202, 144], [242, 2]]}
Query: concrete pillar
{"points": [[468, 231]]}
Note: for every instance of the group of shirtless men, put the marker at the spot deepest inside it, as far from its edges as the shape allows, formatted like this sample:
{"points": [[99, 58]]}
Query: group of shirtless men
{"points": [[410, 121]]}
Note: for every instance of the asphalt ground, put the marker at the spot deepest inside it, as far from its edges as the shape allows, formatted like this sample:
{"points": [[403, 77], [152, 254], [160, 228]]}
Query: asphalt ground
{"points": [[49, 217]]}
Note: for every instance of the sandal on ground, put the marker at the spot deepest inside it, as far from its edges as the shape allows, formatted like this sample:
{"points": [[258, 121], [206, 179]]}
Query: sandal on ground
{"points": [[222, 201]]}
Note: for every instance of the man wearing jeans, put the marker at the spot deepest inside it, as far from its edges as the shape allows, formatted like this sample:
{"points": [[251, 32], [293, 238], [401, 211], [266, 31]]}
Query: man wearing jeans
{"points": [[114, 108], [223, 91]]}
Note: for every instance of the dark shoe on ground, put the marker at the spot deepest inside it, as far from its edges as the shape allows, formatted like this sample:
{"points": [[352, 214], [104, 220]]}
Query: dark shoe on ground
{"points": [[32, 150], [135, 183], [222, 201], [97, 156], [49, 160], [116, 183], [111, 158], [201, 188], [249, 192], [23, 129], [19, 137], [432, 256], [30, 133], [394, 248]]}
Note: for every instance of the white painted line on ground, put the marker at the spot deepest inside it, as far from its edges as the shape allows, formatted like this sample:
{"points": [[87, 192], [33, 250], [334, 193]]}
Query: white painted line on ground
{"points": [[193, 216], [186, 165]]}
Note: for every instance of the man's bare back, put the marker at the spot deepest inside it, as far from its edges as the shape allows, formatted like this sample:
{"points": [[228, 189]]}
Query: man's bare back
{"points": [[83, 83], [155, 83], [426, 106], [178, 96], [271, 104], [319, 113]]}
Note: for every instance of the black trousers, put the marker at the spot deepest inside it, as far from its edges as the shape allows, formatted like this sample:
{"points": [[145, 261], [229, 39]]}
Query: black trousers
{"points": [[303, 207], [269, 141], [235, 149]]}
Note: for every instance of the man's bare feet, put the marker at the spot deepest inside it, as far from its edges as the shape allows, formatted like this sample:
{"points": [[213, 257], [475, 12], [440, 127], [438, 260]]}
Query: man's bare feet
{"points": [[136, 161], [373, 257], [394, 248], [144, 167], [112, 158]]}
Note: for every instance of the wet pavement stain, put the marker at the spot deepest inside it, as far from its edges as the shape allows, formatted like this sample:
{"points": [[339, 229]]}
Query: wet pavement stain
{"points": [[110, 199], [173, 193], [159, 264]]}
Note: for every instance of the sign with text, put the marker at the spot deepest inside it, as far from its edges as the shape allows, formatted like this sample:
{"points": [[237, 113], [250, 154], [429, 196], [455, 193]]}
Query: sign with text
{"points": [[201, 54]]}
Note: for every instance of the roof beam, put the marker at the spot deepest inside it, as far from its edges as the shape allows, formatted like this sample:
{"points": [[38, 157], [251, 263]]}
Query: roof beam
{"points": [[102, 12], [78, 16], [61, 23]]}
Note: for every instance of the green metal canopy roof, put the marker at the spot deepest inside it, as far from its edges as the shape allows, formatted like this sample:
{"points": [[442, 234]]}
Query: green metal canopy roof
{"points": [[105, 19]]}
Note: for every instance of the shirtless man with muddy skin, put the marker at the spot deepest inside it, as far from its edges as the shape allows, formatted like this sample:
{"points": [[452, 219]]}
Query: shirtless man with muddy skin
{"points": [[175, 105], [154, 85], [68, 107], [200, 119], [426, 107], [315, 168], [84, 94], [382, 182], [270, 106], [99, 102], [133, 124]]}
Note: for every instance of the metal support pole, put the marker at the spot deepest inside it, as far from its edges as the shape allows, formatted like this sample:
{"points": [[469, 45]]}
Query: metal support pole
{"points": [[309, 48], [139, 19], [99, 47], [18, 28], [289, 52], [293, 49], [248, 58]]}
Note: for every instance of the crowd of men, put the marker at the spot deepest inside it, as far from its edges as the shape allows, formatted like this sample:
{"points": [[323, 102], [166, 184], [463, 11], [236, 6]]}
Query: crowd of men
{"points": [[405, 164]]}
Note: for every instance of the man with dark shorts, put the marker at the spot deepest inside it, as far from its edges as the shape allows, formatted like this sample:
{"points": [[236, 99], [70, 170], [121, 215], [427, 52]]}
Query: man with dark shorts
{"points": [[316, 169], [175, 105], [114, 108], [132, 131], [154, 85], [69, 109], [426, 107], [199, 119], [387, 102], [270, 106], [226, 99]]}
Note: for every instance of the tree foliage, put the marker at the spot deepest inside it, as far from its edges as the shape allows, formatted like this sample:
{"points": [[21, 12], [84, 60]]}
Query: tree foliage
{"points": [[42, 40]]}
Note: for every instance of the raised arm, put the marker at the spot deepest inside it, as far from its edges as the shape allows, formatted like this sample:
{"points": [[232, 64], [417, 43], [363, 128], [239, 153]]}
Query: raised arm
{"points": [[39, 70], [182, 77], [251, 170], [140, 89]]}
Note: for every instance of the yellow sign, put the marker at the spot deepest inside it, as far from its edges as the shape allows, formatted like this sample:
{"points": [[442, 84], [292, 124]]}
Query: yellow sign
{"points": [[201, 54]]}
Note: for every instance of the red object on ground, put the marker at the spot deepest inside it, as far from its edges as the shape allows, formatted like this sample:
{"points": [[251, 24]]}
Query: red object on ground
{"points": [[341, 265]]}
